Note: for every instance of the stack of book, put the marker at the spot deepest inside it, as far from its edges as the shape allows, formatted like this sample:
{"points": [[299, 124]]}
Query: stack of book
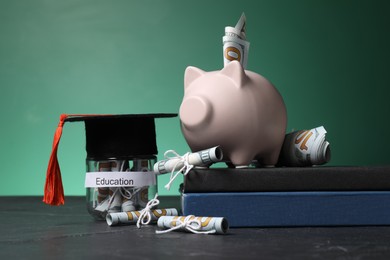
{"points": [[290, 196]]}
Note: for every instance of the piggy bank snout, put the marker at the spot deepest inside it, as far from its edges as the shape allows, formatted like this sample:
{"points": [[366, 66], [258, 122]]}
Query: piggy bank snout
{"points": [[195, 112]]}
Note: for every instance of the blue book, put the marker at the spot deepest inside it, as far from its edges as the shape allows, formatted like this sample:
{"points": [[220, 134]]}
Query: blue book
{"points": [[281, 209]]}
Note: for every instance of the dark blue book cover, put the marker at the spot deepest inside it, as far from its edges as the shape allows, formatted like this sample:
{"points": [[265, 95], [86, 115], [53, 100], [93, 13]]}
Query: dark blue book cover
{"points": [[280, 209]]}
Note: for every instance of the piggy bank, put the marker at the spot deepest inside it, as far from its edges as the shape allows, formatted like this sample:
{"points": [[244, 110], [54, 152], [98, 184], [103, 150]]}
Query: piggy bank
{"points": [[237, 109]]}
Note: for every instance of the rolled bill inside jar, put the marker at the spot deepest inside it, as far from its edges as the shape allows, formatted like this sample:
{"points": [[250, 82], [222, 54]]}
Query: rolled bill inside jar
{"points": [[305, 148], [103, 191], [195, 224], [142, 193], [201, 158], [115, 202], [109, 198], [131, 217]]}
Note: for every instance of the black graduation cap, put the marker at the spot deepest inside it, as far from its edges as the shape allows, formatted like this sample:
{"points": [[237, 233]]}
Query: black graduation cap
{"points": [[107, 136]]}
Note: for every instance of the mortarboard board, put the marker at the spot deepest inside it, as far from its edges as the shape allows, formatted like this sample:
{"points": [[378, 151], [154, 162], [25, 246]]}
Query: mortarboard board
{"points": [[107, 136]]}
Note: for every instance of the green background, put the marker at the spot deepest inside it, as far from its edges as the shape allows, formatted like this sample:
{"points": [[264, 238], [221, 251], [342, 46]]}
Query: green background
{"points": [[329, 59]]}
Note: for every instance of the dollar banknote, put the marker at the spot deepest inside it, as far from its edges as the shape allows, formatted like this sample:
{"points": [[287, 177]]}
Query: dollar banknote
{"points": [[305, 148], [131, 217], [235, 45], [201, 158], [217, 225]]}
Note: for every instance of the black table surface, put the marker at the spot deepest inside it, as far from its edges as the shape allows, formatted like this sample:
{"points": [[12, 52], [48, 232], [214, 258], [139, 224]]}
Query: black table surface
{"points": [[29, 229]]}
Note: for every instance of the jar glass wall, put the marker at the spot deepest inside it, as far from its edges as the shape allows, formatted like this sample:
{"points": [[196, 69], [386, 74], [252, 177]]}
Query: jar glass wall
{"points": [[108, 199]]}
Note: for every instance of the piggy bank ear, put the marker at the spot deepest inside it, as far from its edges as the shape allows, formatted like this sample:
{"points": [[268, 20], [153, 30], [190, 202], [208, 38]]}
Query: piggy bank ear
{"points": [[191, 74], [235, 71]]}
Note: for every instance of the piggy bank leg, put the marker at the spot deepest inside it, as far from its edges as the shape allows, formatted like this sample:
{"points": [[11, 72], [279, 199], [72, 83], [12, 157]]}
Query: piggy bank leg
{"points": [[241, 158], [230, 165], [270, 159]]}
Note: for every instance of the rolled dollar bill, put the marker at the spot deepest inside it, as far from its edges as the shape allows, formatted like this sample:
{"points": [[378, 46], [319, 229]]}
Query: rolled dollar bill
{"points": [[128, 201], [235, 46], [131, 217], [114, 192], [142, 194], [103, 191], [115, 201], [217, 225], [305, 148], [202, 158], [239, 30]]}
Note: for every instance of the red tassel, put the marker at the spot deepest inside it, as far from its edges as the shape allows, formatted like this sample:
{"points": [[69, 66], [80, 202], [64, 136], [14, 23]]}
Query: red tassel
{"points": [[54, 191]]}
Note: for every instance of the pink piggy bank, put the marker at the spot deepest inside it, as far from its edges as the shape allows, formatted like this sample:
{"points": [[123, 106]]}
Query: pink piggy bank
{"points": [[237, 109]]}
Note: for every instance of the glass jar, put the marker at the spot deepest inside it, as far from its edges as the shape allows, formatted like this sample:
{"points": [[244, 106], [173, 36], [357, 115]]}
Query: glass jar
{"points": [[119, 185]]}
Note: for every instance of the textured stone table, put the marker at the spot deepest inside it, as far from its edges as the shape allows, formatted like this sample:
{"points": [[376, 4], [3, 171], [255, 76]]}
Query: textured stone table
{"points": [[29, 229]]}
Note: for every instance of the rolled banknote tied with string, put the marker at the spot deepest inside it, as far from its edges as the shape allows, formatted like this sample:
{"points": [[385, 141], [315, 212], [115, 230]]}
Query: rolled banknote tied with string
{"points": [[201, 158], [131, 217], [198, 225], [235, 46], [115, 196], [305, 148]]}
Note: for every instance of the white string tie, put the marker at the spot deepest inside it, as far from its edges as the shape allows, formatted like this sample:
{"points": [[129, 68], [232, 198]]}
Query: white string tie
{"points": [[181, 160], [129, 192], [190, 223], [112, 197], [146, 214]]}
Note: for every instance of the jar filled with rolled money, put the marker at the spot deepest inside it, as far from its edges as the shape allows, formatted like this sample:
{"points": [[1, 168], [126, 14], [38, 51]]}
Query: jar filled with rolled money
{"points": [[121, 153], [119, 185]]}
